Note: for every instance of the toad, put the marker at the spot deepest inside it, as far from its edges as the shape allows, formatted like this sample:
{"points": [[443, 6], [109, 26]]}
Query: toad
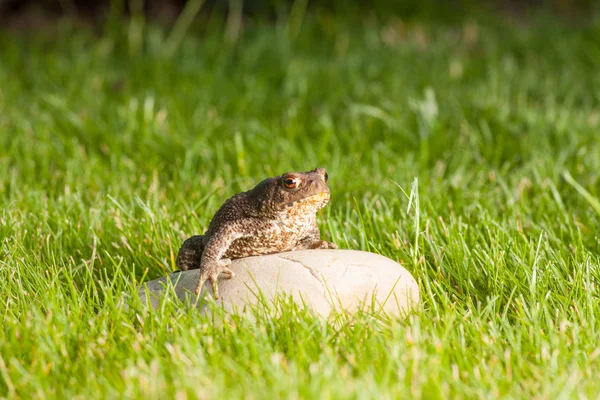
{"points": [[278, 214]]}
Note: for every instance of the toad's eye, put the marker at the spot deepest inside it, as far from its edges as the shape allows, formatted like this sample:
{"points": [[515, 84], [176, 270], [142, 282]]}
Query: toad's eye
{"points": [[290, 183], [326, 176]]}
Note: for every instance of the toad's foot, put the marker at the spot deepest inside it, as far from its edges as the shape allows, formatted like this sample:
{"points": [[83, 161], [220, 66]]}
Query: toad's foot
{"points": [[211, 273], [321, 244], [317, 244], [326, 245]]}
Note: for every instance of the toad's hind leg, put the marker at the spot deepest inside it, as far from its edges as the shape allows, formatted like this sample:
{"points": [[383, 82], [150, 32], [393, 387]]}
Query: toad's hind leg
{"points": [[190, 253]]}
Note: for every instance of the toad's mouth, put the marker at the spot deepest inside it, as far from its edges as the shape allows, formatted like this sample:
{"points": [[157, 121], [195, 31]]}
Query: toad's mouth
{"points": [[320, 198]]}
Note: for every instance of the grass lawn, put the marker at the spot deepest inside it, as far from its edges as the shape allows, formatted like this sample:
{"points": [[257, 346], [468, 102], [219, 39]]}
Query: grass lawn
{"points": [[116, 147]]}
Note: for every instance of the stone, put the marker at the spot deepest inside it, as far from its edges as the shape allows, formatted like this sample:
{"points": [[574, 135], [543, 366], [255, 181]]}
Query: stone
{"points": [[325, 280]]}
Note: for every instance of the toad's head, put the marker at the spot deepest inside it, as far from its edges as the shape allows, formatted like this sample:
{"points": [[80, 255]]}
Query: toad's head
{"points": [[292, 192]]}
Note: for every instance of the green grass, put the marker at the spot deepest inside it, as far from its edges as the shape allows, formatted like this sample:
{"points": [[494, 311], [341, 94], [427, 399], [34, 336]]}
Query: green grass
{"points": [[114, 149]]}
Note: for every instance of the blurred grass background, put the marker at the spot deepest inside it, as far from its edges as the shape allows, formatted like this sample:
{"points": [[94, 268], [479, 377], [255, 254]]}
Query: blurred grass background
{"points": [[123, 128]]}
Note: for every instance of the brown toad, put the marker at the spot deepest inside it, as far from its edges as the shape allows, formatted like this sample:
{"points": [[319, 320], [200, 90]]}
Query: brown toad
{"points": [[278, 214]]}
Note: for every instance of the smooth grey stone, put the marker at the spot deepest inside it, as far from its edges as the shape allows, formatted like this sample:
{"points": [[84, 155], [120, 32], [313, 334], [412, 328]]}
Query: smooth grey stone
{"points": [[322, 279]]}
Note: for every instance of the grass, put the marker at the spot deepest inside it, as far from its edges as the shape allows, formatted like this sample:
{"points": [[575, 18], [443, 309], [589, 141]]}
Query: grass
{"points": [[114, 149]]}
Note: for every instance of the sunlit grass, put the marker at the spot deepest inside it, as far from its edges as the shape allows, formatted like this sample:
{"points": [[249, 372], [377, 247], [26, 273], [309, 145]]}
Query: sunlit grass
{"points": [[112, 152]]}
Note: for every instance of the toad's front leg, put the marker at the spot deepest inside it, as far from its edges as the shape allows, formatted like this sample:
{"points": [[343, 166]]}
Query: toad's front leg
{"points": [[211, 272], [212, 262], [313, 241]]}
